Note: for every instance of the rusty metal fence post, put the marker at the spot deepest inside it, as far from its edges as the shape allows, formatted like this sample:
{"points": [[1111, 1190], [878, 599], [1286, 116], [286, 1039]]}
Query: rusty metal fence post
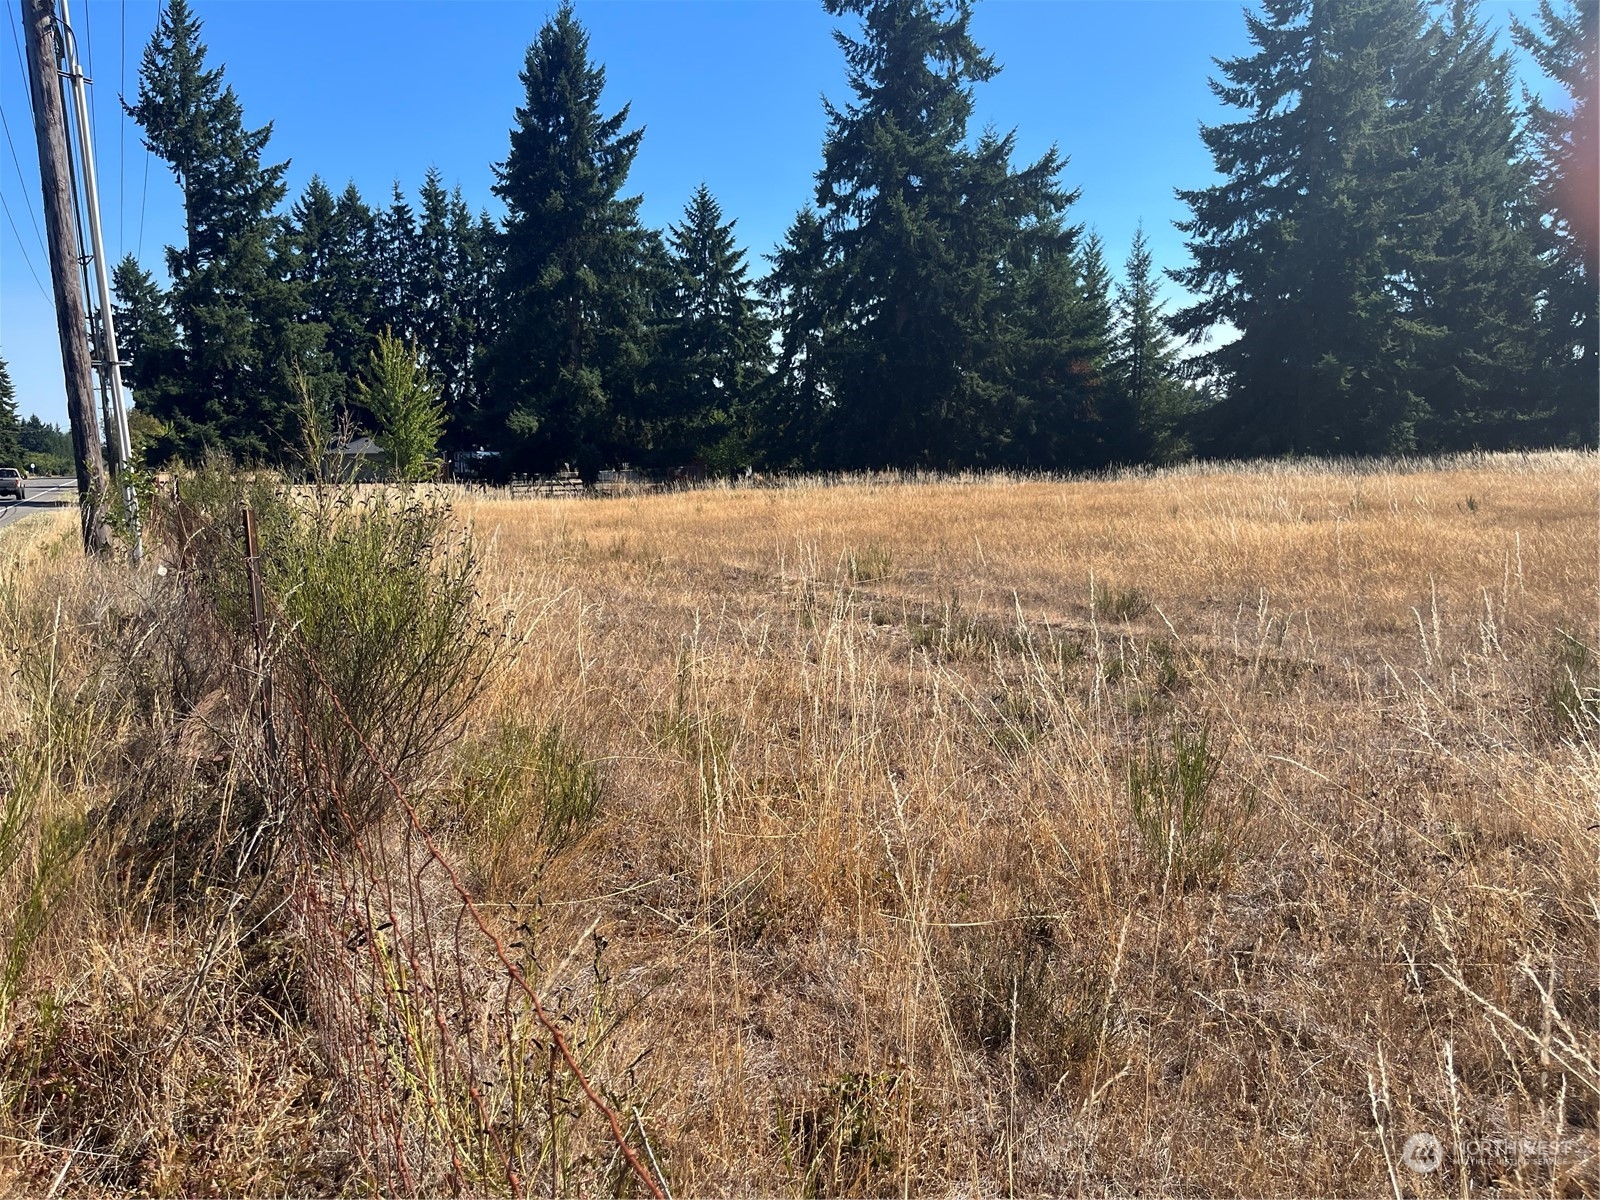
{"points": [[258, 622]]}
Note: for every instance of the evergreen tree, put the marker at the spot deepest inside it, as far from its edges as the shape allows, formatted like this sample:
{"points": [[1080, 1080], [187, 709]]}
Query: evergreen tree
{"points": [[332, 259], [147, 338], [47, 442], [572, 299], [1463, 264], [450, 294], [475, 243], [1143, 362], [796, 401], [1111, 432], [955, 308], [1290, 249], [713, 348], [1565, 45], [11, 453], [890, 195], [398, 260], [1045, 362], [435, 271], [237, 313], [1372, 242], [403, 398]]}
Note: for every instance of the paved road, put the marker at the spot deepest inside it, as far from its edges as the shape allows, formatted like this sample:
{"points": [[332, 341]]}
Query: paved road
{"points": [[44, 492]]}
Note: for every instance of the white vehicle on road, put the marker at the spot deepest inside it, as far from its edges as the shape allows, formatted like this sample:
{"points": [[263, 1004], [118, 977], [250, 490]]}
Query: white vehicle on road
{"points": [[11, 483]]}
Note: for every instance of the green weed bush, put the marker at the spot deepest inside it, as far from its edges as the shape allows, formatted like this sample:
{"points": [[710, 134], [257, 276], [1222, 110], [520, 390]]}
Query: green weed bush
{"points": [[1189, 829]]}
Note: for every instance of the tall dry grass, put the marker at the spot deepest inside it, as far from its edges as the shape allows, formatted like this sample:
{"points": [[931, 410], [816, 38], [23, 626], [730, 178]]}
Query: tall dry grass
{"points": [[1195, 832]]}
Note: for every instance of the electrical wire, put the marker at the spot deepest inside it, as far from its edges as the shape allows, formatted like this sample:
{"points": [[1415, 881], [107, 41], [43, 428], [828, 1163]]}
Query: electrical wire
{"points": [[88, 68], [122, 128], [33, 218], [21, 247], [16, 42], [22, 179], [144, 190]]}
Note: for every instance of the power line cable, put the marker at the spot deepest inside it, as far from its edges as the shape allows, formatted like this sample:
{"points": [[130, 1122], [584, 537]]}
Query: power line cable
{"points": [[88, 62], [21, 178], [21, 247], [144, 190], [16, 44], [122, 128]]}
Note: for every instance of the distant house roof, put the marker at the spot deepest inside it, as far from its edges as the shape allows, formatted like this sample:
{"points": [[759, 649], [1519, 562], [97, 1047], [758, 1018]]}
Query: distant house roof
{"points": [[361, 447]]}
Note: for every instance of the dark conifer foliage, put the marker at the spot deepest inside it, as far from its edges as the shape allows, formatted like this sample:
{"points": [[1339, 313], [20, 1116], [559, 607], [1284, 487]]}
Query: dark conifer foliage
{"points": [[890, 194], [1144, 362], [435, 275], [1565, 41], [796, 406], [1463, 265], [10, 423], [396, 233], [236, 310], [1390, 263], [1372, 242], [573, 299], [1289, 249], [332, 260], [951, 292], [712, 353], [148, 340]]}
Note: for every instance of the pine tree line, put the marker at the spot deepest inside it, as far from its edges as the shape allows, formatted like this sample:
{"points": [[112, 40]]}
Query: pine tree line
{"points": [[1394, 261]]}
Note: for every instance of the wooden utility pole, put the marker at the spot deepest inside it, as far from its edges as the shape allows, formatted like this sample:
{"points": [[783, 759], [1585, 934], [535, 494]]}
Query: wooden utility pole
{"points": [[72, 319]]}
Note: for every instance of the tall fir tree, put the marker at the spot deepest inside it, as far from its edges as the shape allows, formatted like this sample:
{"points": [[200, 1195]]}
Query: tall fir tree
{"points": [[956, 308], [1111, 432], [796, 401], [712, 352], [148, 338], [332, 259], [435, 271], [1143, 360], [449, 296], [889, 192], [11, 453], [1290, 249], [573, 299], [1462, 264], [1371, 244], [237, 312], [398, 259], [1565, 42]]}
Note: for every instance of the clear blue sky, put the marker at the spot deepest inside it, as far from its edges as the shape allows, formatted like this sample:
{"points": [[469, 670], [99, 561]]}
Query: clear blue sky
{"points": [[728, 92]]}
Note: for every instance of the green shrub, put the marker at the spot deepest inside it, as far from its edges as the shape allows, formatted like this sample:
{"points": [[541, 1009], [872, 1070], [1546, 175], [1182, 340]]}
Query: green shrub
{"points": [[870, 563], [1121, 604], [1189, 829], [375, 640], [525, 795], [1573, 694]]}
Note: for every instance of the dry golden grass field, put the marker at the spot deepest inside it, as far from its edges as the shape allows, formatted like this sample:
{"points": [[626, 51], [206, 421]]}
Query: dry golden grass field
{"points": [[1209, 832]]}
